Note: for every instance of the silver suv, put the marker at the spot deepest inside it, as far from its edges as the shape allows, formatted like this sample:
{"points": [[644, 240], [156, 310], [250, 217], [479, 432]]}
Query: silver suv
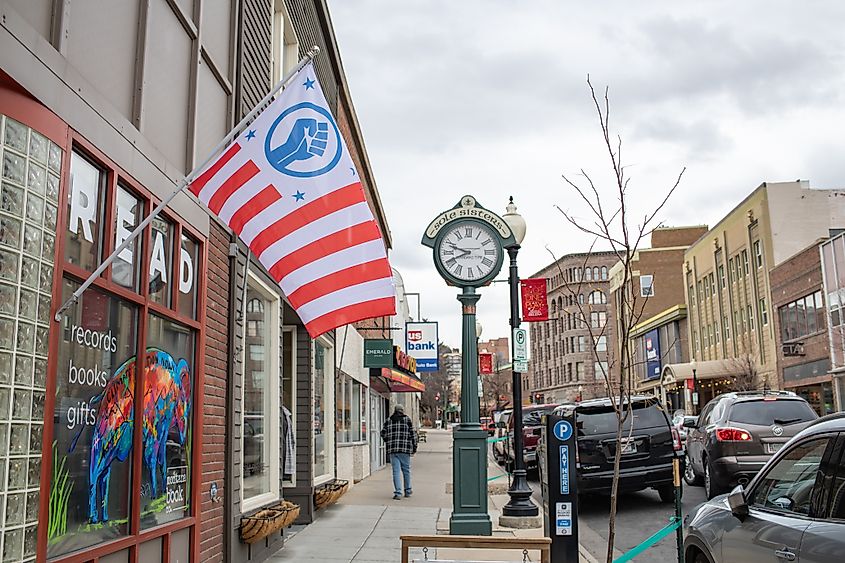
{"points": [[793, 510], [737, 433]]}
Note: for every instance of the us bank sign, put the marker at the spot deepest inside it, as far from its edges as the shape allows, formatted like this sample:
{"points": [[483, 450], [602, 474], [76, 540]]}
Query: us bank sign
{"points": [[421, 344]]}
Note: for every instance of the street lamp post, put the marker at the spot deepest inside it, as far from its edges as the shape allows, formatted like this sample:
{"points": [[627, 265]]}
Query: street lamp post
{"points": [[694, 365], [520, 503]]}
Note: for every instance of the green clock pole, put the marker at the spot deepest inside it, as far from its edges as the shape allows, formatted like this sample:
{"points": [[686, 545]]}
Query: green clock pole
{"points": [[469, 453]]}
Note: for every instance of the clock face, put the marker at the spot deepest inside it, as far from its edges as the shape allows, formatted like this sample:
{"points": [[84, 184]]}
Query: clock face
{"points": [[469, 251]]}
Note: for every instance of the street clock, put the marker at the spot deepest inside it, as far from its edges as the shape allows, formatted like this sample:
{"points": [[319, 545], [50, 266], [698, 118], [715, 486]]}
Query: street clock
{"points": [[468, 243]]}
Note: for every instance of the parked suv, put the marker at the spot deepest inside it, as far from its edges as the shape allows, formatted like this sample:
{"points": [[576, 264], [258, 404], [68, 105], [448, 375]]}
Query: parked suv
{"points": [[737, 433], [793, 510], [649, 444]]}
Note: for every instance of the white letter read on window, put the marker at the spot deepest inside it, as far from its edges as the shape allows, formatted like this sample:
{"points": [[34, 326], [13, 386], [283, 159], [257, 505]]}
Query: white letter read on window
{"points": [[186, 280], [83, 204], [158, 260], [125, 218]]}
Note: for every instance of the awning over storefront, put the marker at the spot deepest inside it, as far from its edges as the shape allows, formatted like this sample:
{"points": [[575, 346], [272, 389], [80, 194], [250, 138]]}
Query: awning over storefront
{"points": [[712, 369], [395, 381]]}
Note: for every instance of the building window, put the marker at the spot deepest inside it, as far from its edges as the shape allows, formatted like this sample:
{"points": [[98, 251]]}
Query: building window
{"points": [[582, 341], [722, 283], [598, 319], [758, 253], [799, 318], [731, 275], [288, 373], [600, 369], [260, 423], [588, 274], [745, 268], [350, 398], [726, 326], [712, 285], [601, 344], [597, 298], [646, 286], [750, 317], [322, 424], [604, 273], [580, 298], [579, 370], [103, 354]]}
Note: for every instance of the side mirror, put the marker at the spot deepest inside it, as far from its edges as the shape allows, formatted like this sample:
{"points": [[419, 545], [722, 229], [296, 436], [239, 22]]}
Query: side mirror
{"points": [[690, 423], [736, 500]]}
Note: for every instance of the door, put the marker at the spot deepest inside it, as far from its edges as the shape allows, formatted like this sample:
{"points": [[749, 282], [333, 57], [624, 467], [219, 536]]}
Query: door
{"points": [[824, 539], [779, 507]]}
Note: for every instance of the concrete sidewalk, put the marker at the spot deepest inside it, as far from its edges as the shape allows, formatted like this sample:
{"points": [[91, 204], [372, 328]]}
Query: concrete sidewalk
{"points": [[365, 525]]}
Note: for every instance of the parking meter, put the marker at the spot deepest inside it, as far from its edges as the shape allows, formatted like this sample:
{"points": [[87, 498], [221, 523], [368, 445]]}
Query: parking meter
{"points": [[559, 483]]}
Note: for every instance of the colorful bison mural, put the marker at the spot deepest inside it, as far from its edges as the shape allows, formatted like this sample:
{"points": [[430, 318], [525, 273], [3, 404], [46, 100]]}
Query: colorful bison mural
{"points": [[166, 402]]}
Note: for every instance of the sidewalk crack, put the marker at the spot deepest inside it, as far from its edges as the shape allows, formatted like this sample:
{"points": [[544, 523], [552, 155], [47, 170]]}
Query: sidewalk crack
{"points": [[369, 535]]}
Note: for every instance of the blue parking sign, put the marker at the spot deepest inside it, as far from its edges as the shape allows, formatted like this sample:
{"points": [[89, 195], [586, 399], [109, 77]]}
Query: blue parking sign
{"points": [[563, 430]]}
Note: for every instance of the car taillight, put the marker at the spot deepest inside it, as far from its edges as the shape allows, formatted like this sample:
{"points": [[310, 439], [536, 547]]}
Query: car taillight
{"points": [[732, 435], [676, 440]]}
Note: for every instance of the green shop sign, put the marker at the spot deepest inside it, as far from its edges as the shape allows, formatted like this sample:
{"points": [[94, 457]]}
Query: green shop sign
{"points": [[378, 353]]}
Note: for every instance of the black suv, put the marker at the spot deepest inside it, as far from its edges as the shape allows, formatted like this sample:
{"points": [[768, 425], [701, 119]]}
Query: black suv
{"points": [[737, 433], [649, 443]]}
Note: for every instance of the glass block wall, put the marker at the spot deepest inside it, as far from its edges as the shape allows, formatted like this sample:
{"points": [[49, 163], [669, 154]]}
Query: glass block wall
{"points": [[30, 167]]}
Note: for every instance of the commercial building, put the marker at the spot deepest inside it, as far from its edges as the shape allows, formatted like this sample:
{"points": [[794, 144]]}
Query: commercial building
{"points": [[833, 272], [564, 366], [652, 299], [98, 123], [728, 286], [801, 328]]}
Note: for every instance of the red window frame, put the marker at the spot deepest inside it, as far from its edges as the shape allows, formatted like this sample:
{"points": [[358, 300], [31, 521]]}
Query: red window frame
{"points": [[19, 106]]}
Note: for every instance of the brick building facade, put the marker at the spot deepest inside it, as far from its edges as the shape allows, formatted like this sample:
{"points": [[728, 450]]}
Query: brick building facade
{"points": [[570, 351], [801, 328]]}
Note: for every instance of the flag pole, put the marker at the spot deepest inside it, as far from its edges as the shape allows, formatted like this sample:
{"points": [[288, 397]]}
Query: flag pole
{"points": [[184, 182]]}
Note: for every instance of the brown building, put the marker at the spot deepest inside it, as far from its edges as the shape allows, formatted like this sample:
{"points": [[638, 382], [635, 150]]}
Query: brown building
{"points": [[564, 366], [655, 297], [499, 347], [801, 328]]}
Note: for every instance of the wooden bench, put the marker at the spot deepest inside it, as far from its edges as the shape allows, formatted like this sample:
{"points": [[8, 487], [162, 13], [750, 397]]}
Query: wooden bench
{"points": [[477, 542]]}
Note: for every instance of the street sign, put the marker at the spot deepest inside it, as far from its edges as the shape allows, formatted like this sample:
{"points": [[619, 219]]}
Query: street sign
{"points": [[520, 366], [563, 430], [520, 344]]}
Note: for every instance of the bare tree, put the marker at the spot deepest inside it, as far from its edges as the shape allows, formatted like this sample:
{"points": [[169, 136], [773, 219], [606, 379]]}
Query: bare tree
{"points": [[437, 388], [611, 223], [745, 374]]}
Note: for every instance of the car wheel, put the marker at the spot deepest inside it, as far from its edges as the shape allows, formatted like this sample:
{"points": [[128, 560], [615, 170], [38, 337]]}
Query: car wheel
{"points": [[667, 493], [690, 477], [711, 487], [698, 557]]}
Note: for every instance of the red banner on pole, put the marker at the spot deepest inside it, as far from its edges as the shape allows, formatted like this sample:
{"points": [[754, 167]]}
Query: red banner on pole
{"points": [[485, 363], [535, 304]]}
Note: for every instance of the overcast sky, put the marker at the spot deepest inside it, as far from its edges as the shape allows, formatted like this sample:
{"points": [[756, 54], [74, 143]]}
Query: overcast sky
{"points": [[490, 98]]}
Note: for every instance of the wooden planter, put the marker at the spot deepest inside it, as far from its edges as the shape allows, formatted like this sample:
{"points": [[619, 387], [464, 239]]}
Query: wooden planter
{"points": [[268, 521]]}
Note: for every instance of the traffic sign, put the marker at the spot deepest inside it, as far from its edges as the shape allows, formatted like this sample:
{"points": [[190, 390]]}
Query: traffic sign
{"points": [[520, 344], [563, 430], [520, 366]]}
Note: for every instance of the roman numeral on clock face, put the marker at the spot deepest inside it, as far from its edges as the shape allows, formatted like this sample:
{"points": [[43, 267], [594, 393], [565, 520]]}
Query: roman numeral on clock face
{"points": [[458, 270], [487, 262], [489, 252], [468, 232]]}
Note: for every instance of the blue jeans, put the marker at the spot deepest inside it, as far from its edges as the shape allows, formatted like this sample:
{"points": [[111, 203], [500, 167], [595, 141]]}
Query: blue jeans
{"points": [[403, 462]]}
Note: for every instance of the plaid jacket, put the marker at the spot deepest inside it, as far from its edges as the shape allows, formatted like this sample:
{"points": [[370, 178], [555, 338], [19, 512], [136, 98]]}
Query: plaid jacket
{"points": [[399, 435]]}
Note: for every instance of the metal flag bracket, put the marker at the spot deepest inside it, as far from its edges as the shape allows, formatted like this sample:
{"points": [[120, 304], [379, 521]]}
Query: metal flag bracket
{"points": [[73, 299]]}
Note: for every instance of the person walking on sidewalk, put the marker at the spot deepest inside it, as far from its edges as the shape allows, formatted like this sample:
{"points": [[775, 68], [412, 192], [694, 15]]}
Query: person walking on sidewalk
{"points": [[401, 441]]}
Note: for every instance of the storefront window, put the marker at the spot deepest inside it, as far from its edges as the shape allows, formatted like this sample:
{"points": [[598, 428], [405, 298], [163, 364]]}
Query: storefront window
{"points": [[160, 260], [351, 410], [85, 205], [323, 386], [93, 422], [260, 394], [128, 211], [188, 260], [288, 393], [167, 430]]}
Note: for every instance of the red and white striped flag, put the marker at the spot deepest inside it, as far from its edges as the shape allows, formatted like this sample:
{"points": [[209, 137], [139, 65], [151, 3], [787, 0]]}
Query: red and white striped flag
{"points": [[288, 187]]}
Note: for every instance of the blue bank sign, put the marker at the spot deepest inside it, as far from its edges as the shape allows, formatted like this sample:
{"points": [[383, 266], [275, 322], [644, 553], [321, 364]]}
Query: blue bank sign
{"points": [[421, 344]]}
